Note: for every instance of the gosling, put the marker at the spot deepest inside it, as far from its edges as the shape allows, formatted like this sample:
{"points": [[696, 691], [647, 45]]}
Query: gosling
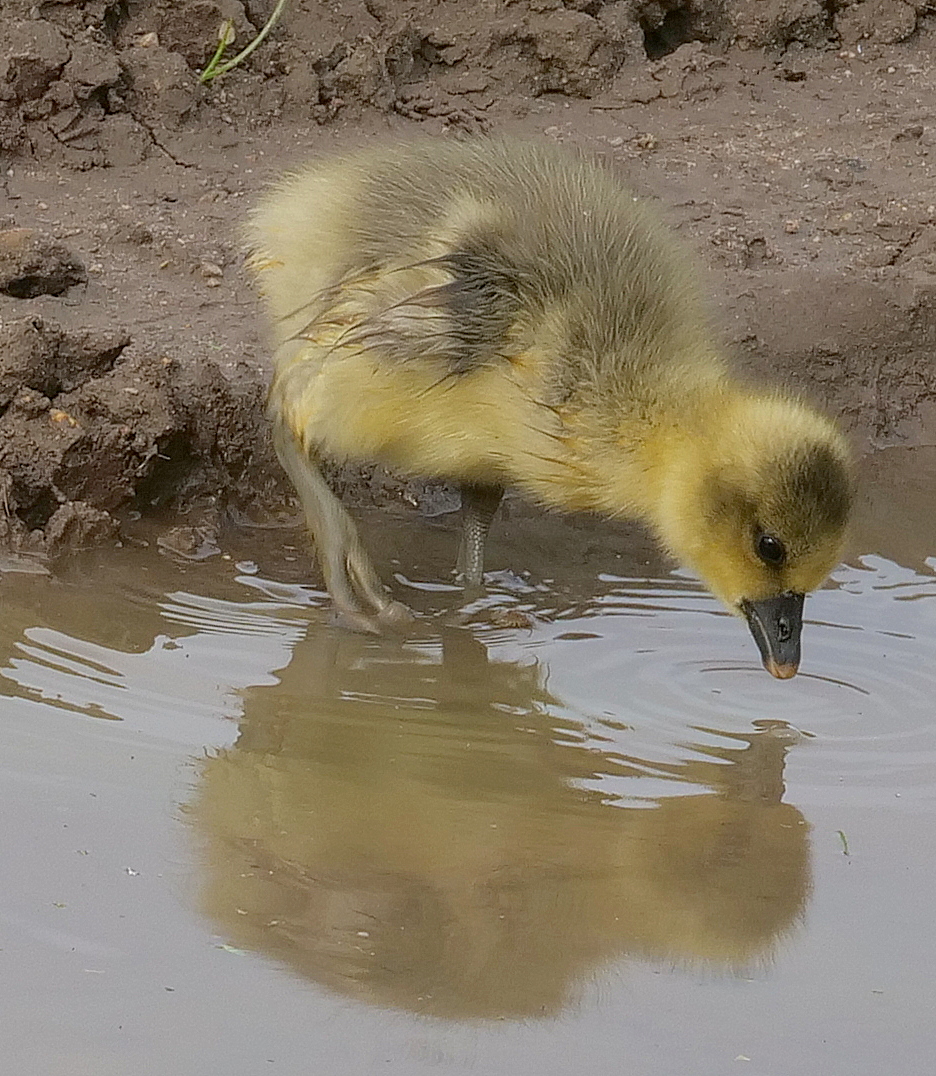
{"points": [[501, 313]]}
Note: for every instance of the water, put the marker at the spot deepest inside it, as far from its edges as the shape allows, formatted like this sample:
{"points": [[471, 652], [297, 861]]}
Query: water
{"points": [[237, 841]]}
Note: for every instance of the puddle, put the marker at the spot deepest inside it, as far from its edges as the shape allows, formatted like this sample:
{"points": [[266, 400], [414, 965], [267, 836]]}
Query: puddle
{"points": [[237, 841]]}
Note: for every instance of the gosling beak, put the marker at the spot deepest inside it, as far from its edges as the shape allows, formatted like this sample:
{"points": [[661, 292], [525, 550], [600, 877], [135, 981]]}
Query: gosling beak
{"points": [[776, 624]]}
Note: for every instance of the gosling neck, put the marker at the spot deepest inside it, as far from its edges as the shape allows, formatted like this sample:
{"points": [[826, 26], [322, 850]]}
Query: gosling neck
{"points": [[677, 458]]}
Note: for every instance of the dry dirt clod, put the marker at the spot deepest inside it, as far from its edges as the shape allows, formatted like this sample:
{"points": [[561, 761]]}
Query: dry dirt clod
{"points": [[32, 264], [77, 525]]}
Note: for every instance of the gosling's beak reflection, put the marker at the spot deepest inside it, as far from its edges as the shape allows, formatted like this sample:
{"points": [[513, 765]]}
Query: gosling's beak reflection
{"points": [[776, 624]]}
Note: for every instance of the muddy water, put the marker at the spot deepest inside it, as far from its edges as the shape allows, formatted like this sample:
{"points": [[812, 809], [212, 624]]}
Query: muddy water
{"points": [[237, 841]]}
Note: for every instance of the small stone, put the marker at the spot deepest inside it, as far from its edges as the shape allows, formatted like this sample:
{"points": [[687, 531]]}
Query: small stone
{"points": [[63, 418], [514, 619], [189, 543], [909, 133], [793, 72]]}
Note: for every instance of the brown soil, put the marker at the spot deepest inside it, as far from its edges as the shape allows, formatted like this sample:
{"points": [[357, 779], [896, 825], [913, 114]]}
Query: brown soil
{"points": [[790, 141]]}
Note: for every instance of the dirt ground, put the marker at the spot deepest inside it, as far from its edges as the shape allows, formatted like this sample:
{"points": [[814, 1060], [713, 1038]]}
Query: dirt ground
{"points": [[791, 142]]}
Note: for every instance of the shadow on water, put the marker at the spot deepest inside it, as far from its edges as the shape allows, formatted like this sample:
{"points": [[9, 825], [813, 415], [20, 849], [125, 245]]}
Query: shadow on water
{"points": [[418, 834]]}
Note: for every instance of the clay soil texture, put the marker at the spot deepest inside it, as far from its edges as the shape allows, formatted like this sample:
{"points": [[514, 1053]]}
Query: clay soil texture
{"points": [[790, 142]]}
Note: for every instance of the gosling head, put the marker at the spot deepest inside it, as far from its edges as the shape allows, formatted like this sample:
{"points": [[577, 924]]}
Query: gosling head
{"points": [[760, 509]]}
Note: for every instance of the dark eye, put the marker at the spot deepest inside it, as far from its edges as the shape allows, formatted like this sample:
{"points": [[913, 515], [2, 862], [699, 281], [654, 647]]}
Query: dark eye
{"points": [[771, 550]]}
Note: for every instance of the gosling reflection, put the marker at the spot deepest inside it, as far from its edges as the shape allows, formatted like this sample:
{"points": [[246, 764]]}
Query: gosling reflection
{"points": [[416, 834]]}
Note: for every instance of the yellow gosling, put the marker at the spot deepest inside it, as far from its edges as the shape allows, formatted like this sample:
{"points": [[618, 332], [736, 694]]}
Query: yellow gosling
{"points": [[501, 313]]}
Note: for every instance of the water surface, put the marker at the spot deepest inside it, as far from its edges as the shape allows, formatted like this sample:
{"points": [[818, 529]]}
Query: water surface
{"points": [[237, 840]]}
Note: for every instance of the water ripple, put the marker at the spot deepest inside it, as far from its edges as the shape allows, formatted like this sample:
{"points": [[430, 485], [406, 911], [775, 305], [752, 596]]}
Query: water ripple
{"points": [[667, 656]]}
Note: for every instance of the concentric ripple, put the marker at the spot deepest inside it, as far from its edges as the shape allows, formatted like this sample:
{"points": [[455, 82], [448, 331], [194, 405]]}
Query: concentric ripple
{"points": [[668, 657], [638, 668]]}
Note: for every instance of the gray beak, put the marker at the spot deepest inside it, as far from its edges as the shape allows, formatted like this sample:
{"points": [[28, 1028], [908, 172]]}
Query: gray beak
{"points": [[776, 624]]}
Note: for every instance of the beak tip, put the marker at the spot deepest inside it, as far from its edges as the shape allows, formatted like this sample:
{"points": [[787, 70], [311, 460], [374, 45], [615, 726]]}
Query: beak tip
{"points": [[782, 671], [776, 624]]}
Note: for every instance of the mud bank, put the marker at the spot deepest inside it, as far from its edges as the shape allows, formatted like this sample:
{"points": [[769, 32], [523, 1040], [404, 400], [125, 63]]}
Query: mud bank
{"points": [[103, 81], [791, 144]]}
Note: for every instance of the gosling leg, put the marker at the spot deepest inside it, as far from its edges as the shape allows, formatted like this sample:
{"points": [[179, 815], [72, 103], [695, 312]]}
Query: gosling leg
{"points": [[479, 503], [355, 588]]}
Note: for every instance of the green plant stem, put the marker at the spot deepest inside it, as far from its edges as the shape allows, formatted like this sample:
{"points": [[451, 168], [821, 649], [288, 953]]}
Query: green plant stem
{"points": [[212, 72]]}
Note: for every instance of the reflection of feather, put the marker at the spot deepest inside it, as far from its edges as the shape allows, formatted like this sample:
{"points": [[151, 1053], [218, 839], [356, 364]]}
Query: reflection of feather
{"points": [[416, 835]]}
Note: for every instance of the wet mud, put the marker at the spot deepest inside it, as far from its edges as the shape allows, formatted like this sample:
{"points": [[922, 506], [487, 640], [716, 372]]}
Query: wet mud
{"points": [[791, 146]]}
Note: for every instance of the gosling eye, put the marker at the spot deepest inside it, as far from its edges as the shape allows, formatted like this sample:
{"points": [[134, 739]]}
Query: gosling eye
{"points": [[770, 550]]}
